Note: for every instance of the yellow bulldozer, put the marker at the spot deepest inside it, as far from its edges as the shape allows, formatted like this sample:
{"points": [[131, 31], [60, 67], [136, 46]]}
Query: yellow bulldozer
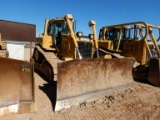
{"points": [[17, 94], [71, 59], [3, 51], [135, 39], [2, 44]]}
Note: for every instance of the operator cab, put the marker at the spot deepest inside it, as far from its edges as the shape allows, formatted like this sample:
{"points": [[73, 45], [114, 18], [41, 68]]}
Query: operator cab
{"points": [[56, 28], [114, 34]]}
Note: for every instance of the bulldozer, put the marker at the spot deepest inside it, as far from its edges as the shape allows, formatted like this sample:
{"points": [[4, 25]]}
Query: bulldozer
{"points": [[17, 94], [137, 40], [71, 60], [2, 44], [3, 51]]}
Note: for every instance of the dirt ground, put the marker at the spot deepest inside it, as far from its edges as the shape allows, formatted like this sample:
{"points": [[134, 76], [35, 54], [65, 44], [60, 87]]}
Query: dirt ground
{"points": [[139, 102]]}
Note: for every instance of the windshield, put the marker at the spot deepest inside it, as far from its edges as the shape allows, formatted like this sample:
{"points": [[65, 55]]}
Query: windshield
{"points": [[55, 27], [59, 26], [66, 28], [126, 33], [114, 34], [50, 29]]}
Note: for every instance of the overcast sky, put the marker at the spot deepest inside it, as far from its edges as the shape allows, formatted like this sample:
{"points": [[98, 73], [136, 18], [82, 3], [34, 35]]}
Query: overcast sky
{"points": [[104, 12]]}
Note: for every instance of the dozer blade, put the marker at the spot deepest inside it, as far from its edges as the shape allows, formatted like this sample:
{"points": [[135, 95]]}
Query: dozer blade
{"points": [[16, 87], [154, 71], [88, 79]]}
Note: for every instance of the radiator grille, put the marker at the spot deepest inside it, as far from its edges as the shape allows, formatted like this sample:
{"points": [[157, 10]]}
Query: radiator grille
{"points": [[85, 49]]}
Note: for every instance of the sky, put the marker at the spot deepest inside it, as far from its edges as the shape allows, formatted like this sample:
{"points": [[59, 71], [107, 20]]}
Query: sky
{"points": [[104, 12]]}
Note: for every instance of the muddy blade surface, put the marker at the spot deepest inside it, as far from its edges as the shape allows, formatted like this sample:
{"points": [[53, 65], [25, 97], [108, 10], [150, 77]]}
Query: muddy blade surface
{"points": [[79, 78], [16, 86], [154, 71]]}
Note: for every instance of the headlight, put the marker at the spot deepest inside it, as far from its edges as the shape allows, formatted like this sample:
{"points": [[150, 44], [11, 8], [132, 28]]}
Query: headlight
{"points": [[90, 36], [79, 34]]}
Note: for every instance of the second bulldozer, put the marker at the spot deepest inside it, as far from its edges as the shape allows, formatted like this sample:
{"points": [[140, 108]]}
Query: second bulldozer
{"points": [[135, 39], [72, 61]]}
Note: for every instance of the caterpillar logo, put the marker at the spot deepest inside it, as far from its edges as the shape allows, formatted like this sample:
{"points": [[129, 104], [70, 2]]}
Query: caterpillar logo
{"points": [[26, 69]]}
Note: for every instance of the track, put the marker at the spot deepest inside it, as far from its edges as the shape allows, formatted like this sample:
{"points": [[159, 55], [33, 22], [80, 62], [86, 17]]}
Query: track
{"points": [[46, 62]]}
